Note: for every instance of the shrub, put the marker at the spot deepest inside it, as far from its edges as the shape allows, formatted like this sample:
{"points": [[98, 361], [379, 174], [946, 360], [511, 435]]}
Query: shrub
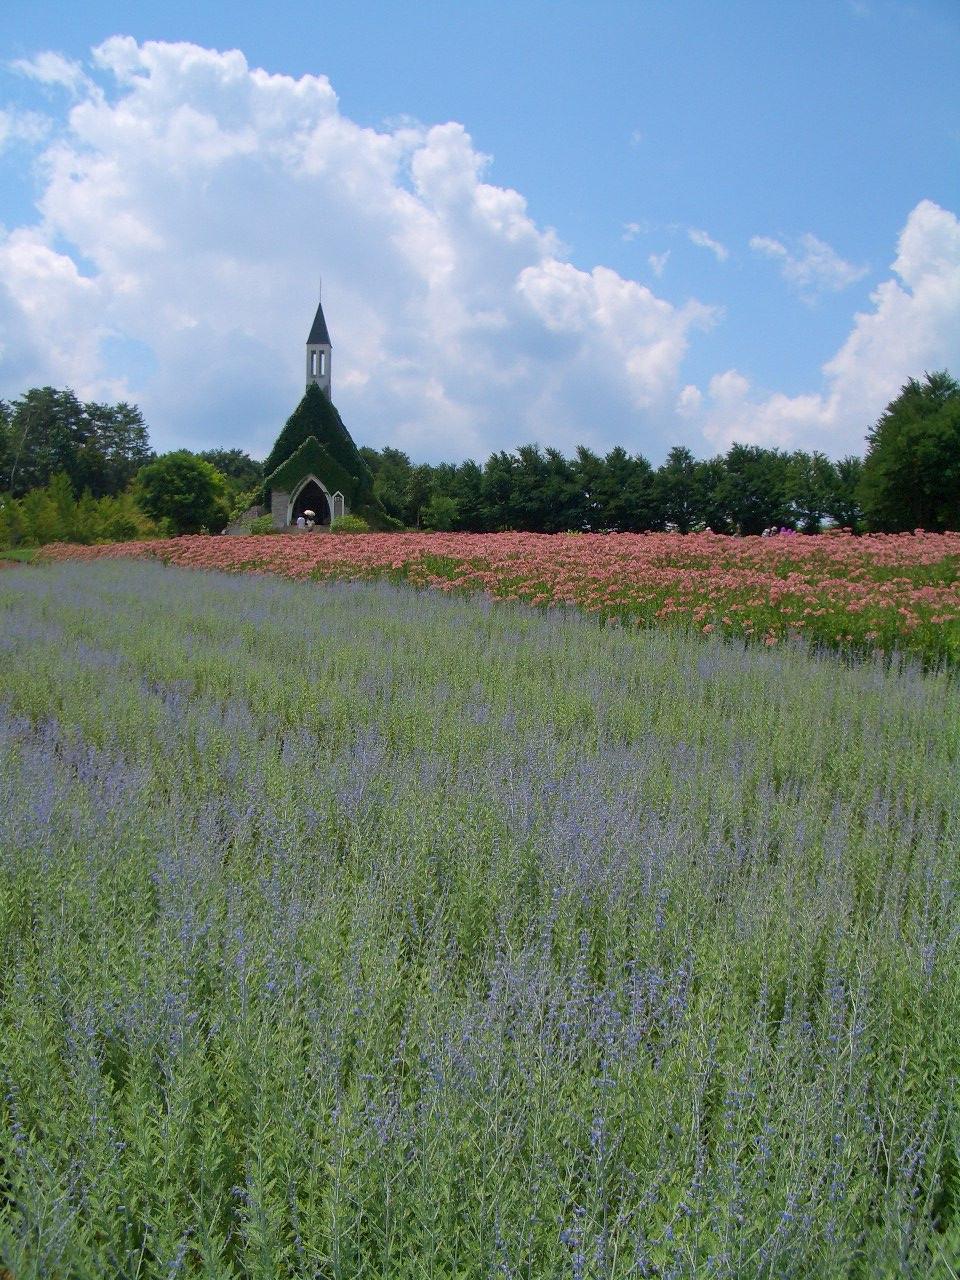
{"points": [[263, 524], [185, 490], [121, 527], [242, 502], [42, 521], [377, 519], [11, 522], [349, 524], [441, 513]]}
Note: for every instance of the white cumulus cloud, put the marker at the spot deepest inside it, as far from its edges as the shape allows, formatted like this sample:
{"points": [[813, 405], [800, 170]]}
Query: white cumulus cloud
{"points": [[190, 205], [813, 267], [913, 326], [22, 126], [52, 68]]}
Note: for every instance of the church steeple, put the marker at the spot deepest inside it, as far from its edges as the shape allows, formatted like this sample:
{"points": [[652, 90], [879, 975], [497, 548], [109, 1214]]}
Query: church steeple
{"points": [[318, 352]]}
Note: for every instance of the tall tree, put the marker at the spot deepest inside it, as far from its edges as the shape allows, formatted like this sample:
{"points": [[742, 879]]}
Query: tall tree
{"points": [[911, 474], [6, 440], [676, 489], [844, 506], [466, 489], [48, 430], [497, 492], [590, 472], [625, 491], [240, 470], [116, 447], [754, 487], [418, 493], [97, 446], [391, 480], [563, 494], [528, 499], [709, 475], [809, 480]]}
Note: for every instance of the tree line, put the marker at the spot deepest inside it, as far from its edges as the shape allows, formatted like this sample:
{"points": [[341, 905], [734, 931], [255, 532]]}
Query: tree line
{"points": [[87, 472], [46, 432], [909, 478], [747, 490]]}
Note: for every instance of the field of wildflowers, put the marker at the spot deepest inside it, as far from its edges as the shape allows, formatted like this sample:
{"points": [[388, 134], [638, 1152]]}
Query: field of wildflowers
{"points": [[358, 931], [880, 593]]}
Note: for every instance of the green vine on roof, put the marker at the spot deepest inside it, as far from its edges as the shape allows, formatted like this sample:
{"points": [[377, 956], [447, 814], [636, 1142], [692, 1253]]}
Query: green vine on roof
{"points": [[316, 418], [311, 458]]}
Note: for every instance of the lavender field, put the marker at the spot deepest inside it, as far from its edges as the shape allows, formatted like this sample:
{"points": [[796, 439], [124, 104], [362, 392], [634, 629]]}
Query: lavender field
{"points": [[349, 930]]}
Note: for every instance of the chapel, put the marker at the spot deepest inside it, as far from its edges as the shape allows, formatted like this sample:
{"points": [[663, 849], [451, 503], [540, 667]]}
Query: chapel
{"points": [[315, 466]]}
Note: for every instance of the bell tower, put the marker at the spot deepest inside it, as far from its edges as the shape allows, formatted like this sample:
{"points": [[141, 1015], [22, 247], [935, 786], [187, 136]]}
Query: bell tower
{"points": [[318, 353]]}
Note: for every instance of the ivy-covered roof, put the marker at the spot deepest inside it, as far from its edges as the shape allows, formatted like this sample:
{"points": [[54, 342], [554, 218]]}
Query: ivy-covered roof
{"points": [[311, 458], [316, 416]]}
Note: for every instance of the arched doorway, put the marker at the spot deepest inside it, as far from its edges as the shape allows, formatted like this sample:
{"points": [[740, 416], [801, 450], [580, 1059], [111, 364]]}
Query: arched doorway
{"points": [[311, 498]]}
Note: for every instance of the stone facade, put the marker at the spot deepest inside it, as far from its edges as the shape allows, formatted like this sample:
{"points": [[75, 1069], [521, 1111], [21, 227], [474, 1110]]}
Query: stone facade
{"points": [[279, 506]]}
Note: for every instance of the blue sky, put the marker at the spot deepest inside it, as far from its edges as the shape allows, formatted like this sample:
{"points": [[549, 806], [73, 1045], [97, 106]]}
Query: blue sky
{"points": [[636, 223]]}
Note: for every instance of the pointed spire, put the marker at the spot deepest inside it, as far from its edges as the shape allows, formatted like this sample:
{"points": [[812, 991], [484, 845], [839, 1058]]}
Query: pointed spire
{"points": [[319, 335]]}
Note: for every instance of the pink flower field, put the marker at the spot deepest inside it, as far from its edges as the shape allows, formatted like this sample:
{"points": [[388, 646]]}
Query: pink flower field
{"points": [[878, 593]]}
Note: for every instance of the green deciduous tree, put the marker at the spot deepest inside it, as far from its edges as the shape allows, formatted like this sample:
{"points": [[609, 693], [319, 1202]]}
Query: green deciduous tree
{"points": [[809, 480], [440, 513], [115, 448], [466, 489], [626, 493], [241, 472], [911, 474], [676, 489], [184, 490], [99, 447], [390, 481], [844, 507], [497, 492], [418, 491], [47, 434], [754, 488]]}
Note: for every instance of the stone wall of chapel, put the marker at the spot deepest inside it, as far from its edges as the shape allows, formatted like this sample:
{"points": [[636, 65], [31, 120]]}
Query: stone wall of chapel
{"points": [[278, 507]]}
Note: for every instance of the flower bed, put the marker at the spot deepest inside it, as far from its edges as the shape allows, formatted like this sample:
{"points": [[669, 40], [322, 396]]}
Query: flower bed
{"points": [[883, 592]]}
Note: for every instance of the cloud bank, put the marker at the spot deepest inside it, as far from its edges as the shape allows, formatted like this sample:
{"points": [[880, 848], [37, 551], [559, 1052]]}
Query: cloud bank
{"points": [[913, 327], [191, 203], [189, 209]]}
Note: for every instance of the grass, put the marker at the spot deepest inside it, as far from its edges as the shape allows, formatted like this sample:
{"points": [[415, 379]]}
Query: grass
{"points": [[18, 555], [357, 931]]}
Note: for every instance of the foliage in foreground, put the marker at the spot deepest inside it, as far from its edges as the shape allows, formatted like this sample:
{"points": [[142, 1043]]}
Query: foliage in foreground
{"points": [[55, 514], [876, 594], [427, 937], [349, 524]]}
